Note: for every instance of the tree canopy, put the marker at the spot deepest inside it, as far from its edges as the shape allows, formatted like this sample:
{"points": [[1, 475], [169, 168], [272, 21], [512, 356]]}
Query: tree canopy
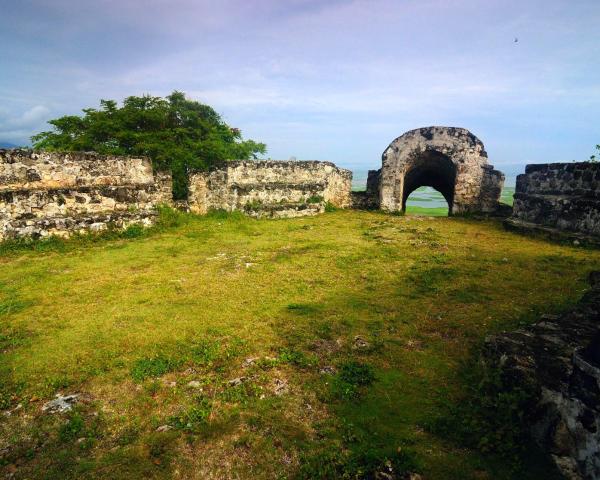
{"points": [[175, 132]]}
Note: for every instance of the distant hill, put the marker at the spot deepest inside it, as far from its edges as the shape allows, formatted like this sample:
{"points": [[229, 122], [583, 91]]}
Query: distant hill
{"points": [[7, 145]]}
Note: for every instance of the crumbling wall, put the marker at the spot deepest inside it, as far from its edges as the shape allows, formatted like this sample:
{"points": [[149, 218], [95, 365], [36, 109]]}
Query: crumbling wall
{"points": [[558, 358], [43, 193], [269, 188], [558, 196]]}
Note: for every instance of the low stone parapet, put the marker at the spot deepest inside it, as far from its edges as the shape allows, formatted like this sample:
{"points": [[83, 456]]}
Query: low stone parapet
{"points": [[43, 194], [562, 197], [267, 188]]}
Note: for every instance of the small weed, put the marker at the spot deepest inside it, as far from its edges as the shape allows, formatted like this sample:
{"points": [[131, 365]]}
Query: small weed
{"points": [[225, 215], [205, 352], [11, 338], [10, 303], [59, 382], [73, 429], [356, 373], [352, 375], [240, 393], [152, 367], [152, 388], [296, 358], [235, 348], [366, 463], [194, 418], [134, 231], [330, 207], [170, 218], [253, 205], [315, 199], [160, 447]]}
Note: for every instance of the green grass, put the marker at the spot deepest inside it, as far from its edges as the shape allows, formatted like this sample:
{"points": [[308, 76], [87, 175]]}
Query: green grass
{"points": [[241, 336], [426, 211]]}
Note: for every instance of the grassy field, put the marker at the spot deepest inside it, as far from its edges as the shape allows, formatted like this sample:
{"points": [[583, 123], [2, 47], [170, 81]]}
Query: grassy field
{"points": [[306, 348]]}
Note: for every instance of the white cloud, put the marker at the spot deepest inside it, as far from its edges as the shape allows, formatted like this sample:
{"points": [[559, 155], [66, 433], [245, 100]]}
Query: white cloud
{"points": [[18, 128]]}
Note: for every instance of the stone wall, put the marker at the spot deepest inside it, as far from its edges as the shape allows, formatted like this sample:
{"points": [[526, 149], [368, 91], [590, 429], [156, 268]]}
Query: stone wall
{"points": [[368, 199], [558, 359], [44, 193], [269, 188], [558, 196]]}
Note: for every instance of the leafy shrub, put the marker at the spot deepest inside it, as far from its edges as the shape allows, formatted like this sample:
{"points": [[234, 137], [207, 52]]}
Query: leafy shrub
{"points": [[315, 199]]}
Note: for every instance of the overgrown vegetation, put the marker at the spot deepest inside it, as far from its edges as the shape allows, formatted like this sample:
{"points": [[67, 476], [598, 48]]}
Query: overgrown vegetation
{"points": [[228, 347], [492, 413], [593, 158], [175, 132], [168, 218]]}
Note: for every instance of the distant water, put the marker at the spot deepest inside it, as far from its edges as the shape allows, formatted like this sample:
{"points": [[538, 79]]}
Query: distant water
{"points": [[427, 197]]}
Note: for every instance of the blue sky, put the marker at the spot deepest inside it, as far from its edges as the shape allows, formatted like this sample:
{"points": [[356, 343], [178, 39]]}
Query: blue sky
{"points": [[335, 80]]}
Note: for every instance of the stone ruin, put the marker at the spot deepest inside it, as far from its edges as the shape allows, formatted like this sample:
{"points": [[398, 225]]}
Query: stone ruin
{"points": [[271, 189], [557, 359], [559, 199], [451, 160], [43, 194]]}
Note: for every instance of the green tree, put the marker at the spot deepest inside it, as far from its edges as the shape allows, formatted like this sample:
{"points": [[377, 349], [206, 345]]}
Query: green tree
{"points": [[175, 132], [593, 158]]}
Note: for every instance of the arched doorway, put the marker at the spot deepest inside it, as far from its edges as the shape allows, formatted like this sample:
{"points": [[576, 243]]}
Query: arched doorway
{"points": [[431, 169], [451, 160]]}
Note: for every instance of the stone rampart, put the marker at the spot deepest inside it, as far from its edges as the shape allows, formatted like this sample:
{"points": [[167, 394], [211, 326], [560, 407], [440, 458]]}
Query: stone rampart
{"points": [[563, 197], [268, 188], [43, 193]]}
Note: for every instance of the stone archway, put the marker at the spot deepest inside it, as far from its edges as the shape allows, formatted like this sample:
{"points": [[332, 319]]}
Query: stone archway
{"points": [[451, 160]]}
